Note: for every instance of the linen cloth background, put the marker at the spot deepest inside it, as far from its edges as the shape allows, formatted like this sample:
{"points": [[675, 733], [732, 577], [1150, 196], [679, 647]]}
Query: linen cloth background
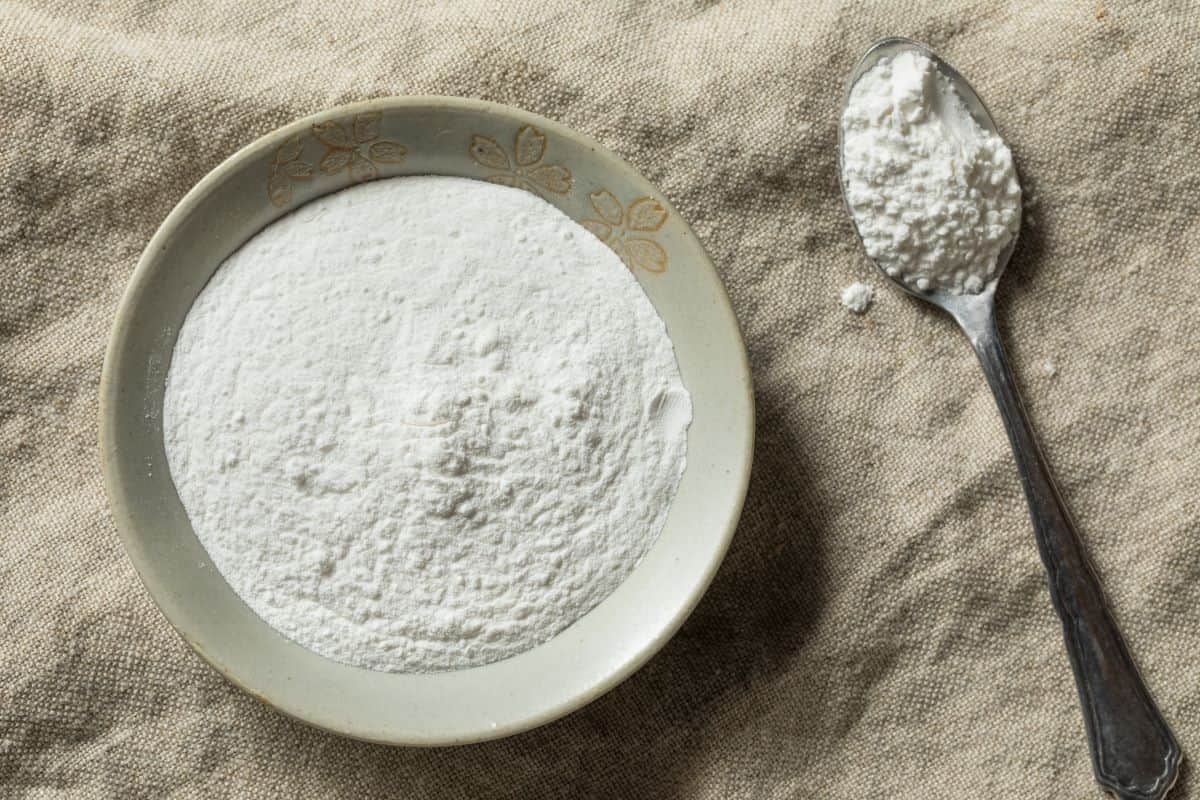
{"points": [[881, 627]]}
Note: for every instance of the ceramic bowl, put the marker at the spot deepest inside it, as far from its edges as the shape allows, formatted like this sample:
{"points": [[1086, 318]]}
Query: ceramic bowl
{"points": [[419, 136]]}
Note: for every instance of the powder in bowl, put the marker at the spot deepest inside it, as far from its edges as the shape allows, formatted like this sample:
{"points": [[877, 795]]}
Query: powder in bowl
{"points": [[425, 423]]}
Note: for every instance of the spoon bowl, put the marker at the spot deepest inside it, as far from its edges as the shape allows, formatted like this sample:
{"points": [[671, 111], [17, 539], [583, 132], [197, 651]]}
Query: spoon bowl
{"points": [[953, 303]]}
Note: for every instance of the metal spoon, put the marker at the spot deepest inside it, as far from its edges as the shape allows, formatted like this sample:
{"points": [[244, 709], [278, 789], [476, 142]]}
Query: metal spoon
{"points": [[1134, 753]]}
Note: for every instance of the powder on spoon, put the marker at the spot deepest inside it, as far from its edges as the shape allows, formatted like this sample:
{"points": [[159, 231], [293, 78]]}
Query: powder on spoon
{"points": [[425, 423], [935, 196]]}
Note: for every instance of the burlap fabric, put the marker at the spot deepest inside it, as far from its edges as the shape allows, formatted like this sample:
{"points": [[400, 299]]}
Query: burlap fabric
{"points": [[881, 626]]}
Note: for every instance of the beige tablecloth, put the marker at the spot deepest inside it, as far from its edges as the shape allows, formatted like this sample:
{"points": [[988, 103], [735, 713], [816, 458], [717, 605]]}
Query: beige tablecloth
{"points": [[881, 626]]}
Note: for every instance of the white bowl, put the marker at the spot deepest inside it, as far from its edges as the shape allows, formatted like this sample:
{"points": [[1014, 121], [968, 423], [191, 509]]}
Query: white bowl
{"points": [[325, 153]]}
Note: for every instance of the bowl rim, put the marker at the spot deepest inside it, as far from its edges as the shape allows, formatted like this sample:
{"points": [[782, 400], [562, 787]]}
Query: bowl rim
{"points": [[119, 494]]}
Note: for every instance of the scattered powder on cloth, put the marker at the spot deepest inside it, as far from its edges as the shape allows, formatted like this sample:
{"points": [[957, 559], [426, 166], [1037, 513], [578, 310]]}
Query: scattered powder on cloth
{"points": [[857, 297], [935, 196], [425, 423]]}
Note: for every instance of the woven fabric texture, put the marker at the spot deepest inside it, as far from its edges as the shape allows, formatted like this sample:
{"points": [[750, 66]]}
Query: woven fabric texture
{"points": [[881, 627]]}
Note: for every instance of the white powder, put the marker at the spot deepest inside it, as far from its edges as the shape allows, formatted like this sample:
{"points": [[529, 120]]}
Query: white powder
{"points": [[934, 195], [424, 423], [857, 297]]}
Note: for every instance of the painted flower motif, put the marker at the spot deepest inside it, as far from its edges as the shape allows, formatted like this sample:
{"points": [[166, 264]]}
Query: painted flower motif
{"points": [[357, 150], [286, 168], [617, 227], [525, 169]]}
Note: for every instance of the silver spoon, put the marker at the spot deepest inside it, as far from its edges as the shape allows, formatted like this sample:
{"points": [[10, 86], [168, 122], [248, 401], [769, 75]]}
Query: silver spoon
{"points": [[1134, 753]]}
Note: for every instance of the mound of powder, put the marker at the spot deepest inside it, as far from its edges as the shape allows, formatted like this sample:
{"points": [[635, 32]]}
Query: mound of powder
{"points": [[424, 423], [935, 196], [857, 297]]}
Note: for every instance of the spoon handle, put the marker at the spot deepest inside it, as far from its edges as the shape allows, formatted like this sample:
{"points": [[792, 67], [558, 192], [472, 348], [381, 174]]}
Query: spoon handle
{"points": [[1134, 753]]}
